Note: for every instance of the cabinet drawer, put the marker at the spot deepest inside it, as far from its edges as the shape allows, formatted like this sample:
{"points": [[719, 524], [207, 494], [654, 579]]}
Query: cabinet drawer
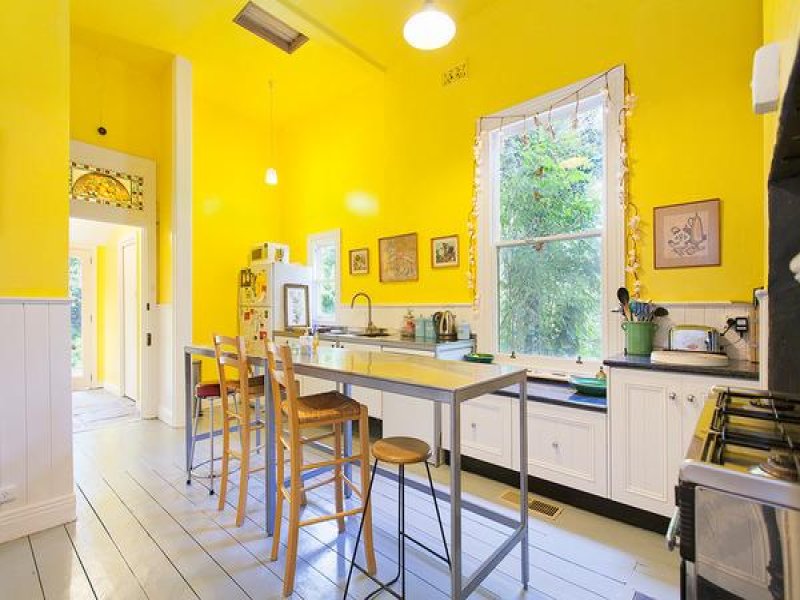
{"points": [[566, 446], [485, 429]]}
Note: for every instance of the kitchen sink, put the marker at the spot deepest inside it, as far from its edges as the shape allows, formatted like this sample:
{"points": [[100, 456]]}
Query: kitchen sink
{"points": [[372, 334]]}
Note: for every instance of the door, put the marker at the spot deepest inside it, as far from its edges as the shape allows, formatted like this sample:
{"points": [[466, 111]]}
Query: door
{"points": [[130, 320], [81, 317], [645, 417]]}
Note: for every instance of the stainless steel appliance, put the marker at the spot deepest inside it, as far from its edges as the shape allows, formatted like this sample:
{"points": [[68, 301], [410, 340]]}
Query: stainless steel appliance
{"points": [[738, 518], [444, 323], [694, 338]]}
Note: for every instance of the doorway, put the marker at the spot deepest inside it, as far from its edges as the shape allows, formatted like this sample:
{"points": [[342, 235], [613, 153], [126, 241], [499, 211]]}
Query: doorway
{"points": [[106, 297]]}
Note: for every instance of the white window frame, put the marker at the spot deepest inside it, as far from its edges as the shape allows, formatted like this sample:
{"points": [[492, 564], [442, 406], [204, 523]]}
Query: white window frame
{"points": [[613, 240], [326, 238]]}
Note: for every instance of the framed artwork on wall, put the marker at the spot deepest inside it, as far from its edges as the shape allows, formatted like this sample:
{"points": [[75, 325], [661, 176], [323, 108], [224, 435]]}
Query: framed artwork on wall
{"points": [[359, 261], [687, 235], [397, 258], [444, 251], [296, 313]]}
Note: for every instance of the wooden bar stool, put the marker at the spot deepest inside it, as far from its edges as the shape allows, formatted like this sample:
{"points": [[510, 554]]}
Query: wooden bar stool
{"points": [[299, 413], [231, 354], [400, 451]]}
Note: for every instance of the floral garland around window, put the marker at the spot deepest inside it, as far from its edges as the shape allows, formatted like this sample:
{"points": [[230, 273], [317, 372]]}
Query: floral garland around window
{"points": [[633, 233]]}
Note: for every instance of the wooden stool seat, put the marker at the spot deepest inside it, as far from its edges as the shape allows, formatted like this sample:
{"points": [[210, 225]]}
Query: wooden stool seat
{"points": [[325, 407], [401, 450]]}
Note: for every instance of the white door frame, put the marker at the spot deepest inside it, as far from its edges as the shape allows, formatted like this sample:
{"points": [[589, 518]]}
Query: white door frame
{"points": [[129, 240], [89, 349], [146, 221]]}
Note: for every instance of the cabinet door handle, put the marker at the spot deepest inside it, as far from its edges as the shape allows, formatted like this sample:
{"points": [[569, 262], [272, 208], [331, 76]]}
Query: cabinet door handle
{"points": [[673, 396], [555, 445], [474, 425], [690, 397]]}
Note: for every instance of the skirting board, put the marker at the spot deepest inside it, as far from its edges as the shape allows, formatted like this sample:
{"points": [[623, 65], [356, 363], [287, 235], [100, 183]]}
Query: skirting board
{"points": [[113, 388], [31, 518]]}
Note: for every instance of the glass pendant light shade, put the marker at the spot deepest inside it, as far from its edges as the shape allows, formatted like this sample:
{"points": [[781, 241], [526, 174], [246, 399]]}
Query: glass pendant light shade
{"points": [[271, 176], [429, 29]]}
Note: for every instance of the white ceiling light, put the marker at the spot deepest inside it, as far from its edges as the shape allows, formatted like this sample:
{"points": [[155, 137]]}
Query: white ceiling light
{"points": [[430, 28]]}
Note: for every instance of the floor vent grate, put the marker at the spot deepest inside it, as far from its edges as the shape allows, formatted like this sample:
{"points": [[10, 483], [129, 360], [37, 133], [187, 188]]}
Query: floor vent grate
{"points": [[536, 506]]}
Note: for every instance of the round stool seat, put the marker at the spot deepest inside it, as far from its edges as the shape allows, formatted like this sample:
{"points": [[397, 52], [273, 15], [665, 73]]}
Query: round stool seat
{"points": [[401, 450]]}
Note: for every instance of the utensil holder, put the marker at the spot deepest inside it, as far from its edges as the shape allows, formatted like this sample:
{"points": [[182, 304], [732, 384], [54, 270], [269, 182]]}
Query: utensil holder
{"points": [[639, 337]]}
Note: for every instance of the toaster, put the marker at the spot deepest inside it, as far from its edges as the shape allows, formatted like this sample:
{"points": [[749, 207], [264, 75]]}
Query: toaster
{"points": [[694, 338]]}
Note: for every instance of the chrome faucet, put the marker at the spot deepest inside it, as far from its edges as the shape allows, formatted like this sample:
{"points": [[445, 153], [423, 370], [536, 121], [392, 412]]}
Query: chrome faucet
{"points": [[370, 325]]}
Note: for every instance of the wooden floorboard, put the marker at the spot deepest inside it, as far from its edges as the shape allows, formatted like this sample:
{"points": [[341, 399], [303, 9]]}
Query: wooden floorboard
{"points": [[60, 571], [143, 533], [19, 577]]}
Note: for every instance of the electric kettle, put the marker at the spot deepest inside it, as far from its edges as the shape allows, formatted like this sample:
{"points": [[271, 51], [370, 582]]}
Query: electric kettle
{"points": [[444, 324]]}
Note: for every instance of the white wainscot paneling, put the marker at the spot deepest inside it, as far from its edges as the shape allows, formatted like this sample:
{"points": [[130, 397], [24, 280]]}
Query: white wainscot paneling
{"points": [[36, 427]]}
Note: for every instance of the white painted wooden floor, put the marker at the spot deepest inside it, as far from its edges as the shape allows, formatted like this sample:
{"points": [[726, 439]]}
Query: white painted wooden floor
{"points": [[143, 533]]}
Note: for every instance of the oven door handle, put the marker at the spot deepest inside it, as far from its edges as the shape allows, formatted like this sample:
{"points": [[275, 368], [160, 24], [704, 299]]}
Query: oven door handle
{"points": [[673, 534]]}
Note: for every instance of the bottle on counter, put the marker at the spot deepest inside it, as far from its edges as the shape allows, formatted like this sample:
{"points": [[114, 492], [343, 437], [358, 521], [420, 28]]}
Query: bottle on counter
{"points": [[463, 331], [306, 342], [408, 328]]}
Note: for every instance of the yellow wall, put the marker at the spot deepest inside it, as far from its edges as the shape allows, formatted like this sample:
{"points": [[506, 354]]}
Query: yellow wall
{"points": [[232, 211], [693, 134], [127, 89], [34, 134]]}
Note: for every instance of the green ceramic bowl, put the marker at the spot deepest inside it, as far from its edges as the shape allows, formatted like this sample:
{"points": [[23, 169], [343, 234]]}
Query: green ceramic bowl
{"points": [[479, 358], [589, 385]]}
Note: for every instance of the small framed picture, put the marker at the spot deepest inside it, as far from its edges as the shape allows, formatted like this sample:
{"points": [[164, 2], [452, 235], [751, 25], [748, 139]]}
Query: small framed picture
{"points": [[444, 252], [687, 235], [359, 261], [296, 306]]}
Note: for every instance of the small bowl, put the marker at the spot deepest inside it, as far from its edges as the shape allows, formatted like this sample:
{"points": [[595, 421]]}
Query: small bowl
{"points": [[590, 386], [479, 358]]}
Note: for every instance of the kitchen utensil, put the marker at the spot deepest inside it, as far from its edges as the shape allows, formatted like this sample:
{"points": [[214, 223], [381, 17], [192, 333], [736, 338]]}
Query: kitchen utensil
{"points": [[479, 358], [591, 386], [659, 311], [624, 298]]}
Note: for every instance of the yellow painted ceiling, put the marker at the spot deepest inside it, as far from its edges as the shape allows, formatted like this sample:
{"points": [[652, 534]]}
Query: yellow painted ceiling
{"points": [[351, 43]]}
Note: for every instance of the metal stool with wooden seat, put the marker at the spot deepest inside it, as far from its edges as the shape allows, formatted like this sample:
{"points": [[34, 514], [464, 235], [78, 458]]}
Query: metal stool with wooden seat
{"points": [[232, 354], [300, 413], [400, 451]]}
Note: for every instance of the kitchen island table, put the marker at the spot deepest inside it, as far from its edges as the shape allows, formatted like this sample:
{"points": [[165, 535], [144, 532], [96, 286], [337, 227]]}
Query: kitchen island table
{"points": [[446, 382]]}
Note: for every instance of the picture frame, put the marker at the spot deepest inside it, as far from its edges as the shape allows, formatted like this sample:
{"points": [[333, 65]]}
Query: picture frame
{"points": [[445, 252], [398, 258], [359, 261], [687, 235], [296, 309]]}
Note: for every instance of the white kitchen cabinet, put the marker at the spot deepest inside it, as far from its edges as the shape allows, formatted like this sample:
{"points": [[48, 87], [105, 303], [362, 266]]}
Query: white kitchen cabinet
{"points": [[566, 445], [652, 416], [486, 426], [372, 399]]}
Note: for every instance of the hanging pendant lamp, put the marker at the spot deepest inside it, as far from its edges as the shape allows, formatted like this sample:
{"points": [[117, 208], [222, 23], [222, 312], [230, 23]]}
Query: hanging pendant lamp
{"points": [[271, 174], [430, 28]]}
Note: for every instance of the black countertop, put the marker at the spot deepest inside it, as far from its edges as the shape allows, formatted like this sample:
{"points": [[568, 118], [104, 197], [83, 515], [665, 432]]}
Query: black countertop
{"points": [[557, 393], [737, 369]]}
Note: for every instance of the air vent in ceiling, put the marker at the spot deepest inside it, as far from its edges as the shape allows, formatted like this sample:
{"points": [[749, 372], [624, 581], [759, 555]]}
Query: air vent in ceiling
{"points": [[270, 28]]}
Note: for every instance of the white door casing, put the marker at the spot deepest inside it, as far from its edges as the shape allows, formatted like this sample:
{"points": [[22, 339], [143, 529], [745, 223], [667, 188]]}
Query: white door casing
{"points": [[129, 305]]}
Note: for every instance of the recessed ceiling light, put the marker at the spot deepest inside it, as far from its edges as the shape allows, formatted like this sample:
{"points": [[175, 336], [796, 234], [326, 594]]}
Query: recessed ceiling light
{"points": [[430, 28]]}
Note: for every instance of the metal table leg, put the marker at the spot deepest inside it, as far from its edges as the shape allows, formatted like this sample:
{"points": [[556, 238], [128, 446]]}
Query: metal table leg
{"points": [[523, 477], [347, 390], [188, 433], [455, 499]]}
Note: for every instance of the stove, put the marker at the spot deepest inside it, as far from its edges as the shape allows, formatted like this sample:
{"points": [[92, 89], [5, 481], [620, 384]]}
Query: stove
{"points": [[738, 518]]}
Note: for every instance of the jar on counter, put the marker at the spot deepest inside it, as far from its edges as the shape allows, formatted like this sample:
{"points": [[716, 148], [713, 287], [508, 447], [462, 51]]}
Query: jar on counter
{"points": [[409, 327]]}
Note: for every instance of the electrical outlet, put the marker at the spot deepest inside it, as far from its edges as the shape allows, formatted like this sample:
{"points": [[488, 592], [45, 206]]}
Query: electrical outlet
{"points": [[8, 494], [742, 325]]}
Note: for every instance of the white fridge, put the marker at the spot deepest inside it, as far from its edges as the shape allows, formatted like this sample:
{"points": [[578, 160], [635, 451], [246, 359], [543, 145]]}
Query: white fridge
{"points": [[261, 292]]}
